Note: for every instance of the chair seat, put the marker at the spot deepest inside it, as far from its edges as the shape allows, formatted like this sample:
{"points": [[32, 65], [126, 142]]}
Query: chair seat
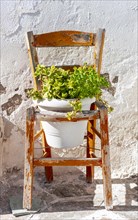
{"points": [[58, 116]]}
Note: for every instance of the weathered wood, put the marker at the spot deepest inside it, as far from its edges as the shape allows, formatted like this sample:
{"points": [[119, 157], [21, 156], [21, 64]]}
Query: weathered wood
{"points": [[90, 146], [106, 170], [100, 35], [100, 105], [96, 132], [67, 162], [67, 67], [47, 154], [64, 39], [98, 50], [37, 135], [29, 157], [33, 58], [89, 115]]}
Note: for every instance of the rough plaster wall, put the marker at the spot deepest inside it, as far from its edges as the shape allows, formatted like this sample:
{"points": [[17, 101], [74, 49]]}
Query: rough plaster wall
{"points": [[119, 20]]}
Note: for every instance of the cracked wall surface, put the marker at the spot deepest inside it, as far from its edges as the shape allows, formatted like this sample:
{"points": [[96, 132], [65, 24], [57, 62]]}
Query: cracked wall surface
{"points": [[119, 67]]}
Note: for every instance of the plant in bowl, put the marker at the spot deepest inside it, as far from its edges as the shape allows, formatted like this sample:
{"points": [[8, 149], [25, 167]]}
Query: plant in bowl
{"points": [[67, 91], [81, 83]]}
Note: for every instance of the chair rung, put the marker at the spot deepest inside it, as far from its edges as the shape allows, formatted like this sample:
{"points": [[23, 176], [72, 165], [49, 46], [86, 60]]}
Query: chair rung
{"points": [[37, 135], [96, 132], [68, 162]]}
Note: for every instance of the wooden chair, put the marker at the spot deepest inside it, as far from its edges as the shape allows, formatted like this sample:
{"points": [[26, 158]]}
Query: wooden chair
{"points": [[97, 111]]}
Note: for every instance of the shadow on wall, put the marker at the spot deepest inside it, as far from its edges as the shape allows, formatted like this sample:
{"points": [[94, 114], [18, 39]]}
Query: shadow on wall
{"points": [[12, 145], [12, 141]]}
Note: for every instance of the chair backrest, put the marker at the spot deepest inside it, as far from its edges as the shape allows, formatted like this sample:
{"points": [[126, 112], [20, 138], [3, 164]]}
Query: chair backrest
{"points": [[65, 39]]}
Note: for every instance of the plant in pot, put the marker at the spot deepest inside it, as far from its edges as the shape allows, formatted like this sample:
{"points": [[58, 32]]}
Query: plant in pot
{"points": [[66, 91]]}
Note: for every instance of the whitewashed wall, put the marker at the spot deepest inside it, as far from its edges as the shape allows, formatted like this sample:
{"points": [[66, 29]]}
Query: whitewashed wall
{"points": [[119, 20]]}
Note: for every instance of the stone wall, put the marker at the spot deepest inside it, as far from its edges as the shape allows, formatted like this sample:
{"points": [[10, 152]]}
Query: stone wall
{"points": [[119, 65]]}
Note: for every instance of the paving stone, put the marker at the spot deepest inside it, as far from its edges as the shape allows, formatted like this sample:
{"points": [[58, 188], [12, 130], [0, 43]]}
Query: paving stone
{"points": [[70, 197]]}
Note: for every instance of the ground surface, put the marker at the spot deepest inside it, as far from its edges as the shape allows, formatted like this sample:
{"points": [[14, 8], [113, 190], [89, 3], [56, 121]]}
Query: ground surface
{"points": [[70, 197]]}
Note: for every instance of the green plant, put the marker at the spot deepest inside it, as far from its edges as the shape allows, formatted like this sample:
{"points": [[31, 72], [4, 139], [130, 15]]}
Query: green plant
{"points": [[78, 84]]}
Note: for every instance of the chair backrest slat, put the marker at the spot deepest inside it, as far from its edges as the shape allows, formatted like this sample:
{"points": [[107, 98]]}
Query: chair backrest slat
{"points": [[64, 39], [33, 58], [99, 43]]}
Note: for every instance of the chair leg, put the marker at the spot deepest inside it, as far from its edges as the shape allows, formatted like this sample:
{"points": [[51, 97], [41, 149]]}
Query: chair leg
{"points": [[90, 147], [29, 156], [47, 153], [106, 170]]}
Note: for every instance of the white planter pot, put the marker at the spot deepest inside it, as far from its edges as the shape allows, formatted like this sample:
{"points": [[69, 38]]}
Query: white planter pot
{"points": [[63, 134]]}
